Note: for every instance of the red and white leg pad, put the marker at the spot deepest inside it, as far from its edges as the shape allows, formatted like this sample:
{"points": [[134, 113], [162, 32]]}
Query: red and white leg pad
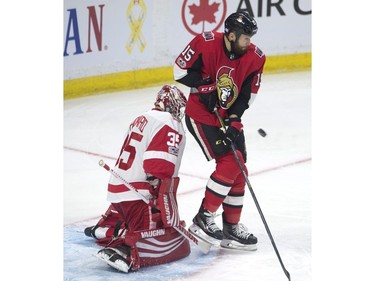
{"points": [[167, 202]]}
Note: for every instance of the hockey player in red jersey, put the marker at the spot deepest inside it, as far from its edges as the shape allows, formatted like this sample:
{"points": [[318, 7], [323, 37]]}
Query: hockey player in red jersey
{"points": [[134, 233], [224, 72]]}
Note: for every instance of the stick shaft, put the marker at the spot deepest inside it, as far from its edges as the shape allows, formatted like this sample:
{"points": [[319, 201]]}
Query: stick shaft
{"points": [[254, 197]]}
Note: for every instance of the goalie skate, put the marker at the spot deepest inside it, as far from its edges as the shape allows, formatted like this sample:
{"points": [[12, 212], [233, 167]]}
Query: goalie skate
{"points": [[114, 258]]}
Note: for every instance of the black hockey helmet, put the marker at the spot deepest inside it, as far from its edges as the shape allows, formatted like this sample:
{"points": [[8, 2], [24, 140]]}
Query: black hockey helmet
{"points": [[240, 23]]}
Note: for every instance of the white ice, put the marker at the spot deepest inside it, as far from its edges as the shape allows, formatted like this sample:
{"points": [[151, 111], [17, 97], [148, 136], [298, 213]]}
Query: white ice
{"points": [[280, 175]]}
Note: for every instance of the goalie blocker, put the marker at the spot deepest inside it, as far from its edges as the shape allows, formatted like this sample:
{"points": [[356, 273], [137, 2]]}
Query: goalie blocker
{"points": [[129, 248]]}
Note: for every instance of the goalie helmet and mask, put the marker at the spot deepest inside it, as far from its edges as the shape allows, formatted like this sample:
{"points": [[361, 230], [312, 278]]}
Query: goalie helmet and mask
{"points": [[172, 100]]}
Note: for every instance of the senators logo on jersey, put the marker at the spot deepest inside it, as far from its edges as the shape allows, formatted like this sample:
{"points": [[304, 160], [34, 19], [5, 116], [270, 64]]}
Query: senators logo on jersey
{"points": [[227, 90]]}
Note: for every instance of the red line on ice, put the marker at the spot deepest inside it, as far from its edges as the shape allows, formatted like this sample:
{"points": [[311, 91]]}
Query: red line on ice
{"points": [[199, 177]]}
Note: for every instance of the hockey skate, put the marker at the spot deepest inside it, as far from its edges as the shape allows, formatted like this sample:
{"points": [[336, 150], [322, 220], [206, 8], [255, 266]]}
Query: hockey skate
{"points": [[237, 237], [115, 258], [205, 228], [90, 231], [96, 232]]}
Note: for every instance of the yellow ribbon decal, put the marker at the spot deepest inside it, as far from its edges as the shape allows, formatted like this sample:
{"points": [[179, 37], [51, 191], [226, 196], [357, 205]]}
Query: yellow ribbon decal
{"points": [[135, 23]]}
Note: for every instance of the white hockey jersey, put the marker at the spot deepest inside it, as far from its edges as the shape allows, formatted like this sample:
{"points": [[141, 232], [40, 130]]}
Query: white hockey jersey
{"points": [[154, 144]]}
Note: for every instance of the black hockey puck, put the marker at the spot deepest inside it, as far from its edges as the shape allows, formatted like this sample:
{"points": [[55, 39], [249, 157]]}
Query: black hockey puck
{"points": [[262, 133]]}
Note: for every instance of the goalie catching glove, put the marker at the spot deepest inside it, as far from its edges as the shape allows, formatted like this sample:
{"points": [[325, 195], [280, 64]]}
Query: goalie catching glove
{"points": [[235, 127]]}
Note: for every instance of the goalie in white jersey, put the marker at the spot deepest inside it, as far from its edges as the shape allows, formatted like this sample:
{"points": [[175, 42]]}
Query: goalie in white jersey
{"points": [[134, 233]]}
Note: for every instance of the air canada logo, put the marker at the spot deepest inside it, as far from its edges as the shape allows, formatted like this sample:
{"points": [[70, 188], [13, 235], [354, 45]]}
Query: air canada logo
{"points": [[227, 90], [203, 15]]}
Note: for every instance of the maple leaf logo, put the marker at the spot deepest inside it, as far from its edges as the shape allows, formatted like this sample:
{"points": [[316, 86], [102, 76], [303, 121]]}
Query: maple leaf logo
{"points": [[203, 12]]}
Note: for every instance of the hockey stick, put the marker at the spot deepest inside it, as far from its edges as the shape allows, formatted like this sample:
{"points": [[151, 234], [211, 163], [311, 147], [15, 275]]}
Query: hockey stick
{"points": [[202, 245], [253, 195]]}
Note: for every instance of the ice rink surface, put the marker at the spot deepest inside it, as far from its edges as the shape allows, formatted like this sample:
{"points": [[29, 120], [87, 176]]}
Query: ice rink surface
{"points": [[280, 175]]}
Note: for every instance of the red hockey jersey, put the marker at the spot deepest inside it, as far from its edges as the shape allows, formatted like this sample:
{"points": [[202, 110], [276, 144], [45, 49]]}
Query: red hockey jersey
{"points": [[240, 76], [154, 144]]}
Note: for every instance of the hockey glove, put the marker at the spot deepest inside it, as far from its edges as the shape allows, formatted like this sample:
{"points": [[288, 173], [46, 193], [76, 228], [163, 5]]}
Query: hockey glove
{"points": [[234, 129], [153, 181], [205, 86], [207, 93], [212, 101]]}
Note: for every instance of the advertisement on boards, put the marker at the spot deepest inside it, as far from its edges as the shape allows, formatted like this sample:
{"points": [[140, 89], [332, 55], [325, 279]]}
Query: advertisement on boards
{"points": [[103, 37]]}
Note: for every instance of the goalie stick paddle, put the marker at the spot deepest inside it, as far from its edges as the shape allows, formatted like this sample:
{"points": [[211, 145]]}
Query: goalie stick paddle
{"points": [[202, 245], [253, 195]]}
